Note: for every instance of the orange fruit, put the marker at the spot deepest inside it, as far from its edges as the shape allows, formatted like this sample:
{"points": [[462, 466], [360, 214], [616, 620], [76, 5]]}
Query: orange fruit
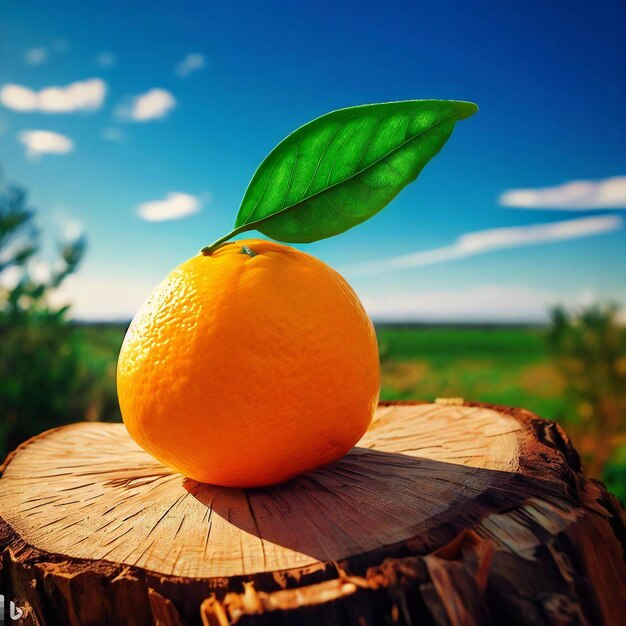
{"points": [[249, 370]]}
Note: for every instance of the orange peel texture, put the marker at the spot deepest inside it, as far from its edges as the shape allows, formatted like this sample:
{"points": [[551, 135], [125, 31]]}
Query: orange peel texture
{"points": [[246, 371]]}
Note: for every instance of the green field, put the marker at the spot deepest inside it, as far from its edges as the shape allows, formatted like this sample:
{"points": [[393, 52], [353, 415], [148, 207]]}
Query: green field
{"points": [[502, 365]]}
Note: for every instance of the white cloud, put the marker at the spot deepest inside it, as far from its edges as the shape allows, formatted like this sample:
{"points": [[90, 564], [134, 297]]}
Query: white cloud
{"points": [[112, 133], [609, 193], [483, 241], [106, 59], [40, 142], [484, 303], [36, 56], [87, 95], [173, 207], [152, 105], [191, 63]]}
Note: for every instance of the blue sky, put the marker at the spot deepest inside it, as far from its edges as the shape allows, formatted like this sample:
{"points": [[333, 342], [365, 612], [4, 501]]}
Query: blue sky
{"points": [[187, 98]]}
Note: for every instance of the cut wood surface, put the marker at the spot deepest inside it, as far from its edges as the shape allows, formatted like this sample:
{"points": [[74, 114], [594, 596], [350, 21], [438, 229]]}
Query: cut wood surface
{"points": [[442, 514]]}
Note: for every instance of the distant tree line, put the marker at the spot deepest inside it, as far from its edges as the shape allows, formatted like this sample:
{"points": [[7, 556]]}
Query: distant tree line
{"points": [[43, 379]]}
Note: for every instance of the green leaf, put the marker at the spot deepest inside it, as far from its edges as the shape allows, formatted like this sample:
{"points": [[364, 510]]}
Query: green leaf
{"points": [[340, 169]]}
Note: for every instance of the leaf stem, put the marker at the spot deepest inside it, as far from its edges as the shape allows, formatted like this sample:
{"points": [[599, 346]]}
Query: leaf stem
{"points": [[208, 250]]}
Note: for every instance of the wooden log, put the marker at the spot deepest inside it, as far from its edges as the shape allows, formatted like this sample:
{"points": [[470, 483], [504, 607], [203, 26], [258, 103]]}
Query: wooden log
{"points": [[443, 514]]}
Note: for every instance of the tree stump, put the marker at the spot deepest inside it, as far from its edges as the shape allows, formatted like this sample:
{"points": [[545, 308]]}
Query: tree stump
{"points": [[443, 514]]}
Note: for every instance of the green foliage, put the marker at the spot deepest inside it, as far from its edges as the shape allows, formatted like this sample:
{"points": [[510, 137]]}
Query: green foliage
{"points": [[589, 348], [614, 473], [340, 169], [43, 379]]}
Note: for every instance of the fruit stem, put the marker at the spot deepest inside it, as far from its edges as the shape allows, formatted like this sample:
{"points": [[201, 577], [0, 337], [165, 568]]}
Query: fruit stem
{"points": [[248, 251], [208, 250]]}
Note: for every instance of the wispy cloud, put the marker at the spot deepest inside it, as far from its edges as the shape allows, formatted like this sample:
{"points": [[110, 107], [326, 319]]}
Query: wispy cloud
{"points": [[87, 95], [483, 303], [190, 64], [36, 56], [106, 59], [173, 207], [39, 142], [152, 105], [609, 193], [483, 241]]}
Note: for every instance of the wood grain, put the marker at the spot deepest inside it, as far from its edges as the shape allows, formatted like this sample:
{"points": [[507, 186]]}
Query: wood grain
{"points": [[445, 504]]}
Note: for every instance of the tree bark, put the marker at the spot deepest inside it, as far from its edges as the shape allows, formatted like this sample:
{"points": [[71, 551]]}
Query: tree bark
{"points": [[444, 514]]}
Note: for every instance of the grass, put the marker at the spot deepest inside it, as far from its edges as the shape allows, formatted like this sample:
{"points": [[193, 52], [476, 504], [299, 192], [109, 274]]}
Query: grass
{"points": [[500, 365]]}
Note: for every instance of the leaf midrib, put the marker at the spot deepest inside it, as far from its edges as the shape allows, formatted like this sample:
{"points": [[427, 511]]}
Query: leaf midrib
{"points": [[250, 225]]}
